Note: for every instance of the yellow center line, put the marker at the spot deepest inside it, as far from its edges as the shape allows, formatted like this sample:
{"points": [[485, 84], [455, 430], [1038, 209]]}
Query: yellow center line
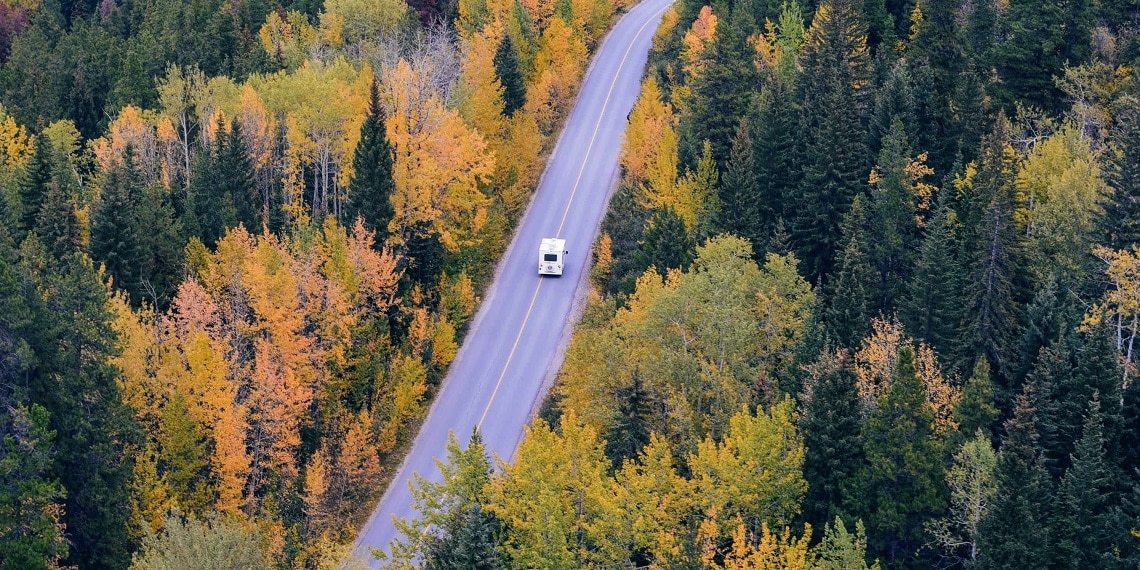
{"points": [[573, 191]]}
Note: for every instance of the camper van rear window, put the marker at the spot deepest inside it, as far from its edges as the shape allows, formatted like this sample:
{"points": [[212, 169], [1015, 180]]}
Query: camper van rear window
{"points": [[550, 257]]}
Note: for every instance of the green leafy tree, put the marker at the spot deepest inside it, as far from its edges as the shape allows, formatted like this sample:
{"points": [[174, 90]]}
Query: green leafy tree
{"points": [[370, 190], [188, 543], [31, 536], [901, 482], [843, 550], [972, 480]]}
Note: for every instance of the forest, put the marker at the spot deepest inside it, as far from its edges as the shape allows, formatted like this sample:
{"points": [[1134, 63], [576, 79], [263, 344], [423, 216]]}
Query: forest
{"points": [[240, 242], [866, 297]]}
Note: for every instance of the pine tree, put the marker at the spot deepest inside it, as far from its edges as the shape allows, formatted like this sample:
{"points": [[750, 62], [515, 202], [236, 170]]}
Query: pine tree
{"points": [[209, 192], [848, 313], [901, 483], [116, 238], [976, 410], [1013, 530], [1082, 520], [468, 542], [1122, 213], [739, 192], [665, 243], [162, 247], [722, 91], [506, 64], [891, 220], [29, 497], [73, 341], [994, 258], [237, 171], [35, 183], [630, 430], [1042, 37], [831, 147], [773, 151], [932, 308], [57, 224], [830, 425], [370, 190]]}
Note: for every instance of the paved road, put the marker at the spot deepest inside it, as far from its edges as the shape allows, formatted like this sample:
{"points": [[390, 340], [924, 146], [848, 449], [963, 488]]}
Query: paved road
{"points": [[497, 377]]}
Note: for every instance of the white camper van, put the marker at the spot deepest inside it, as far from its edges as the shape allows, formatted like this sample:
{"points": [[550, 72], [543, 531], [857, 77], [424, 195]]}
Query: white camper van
{"points": [[550, 253]]}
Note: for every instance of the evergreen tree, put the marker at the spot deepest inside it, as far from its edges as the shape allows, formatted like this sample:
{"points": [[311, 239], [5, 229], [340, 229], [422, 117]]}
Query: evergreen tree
{"points": [[424, 255], [994, 257], [665, 243], [161, 246], [1082, 522], [1041, 37], [976, 410], [1130, 430], [739, 192], [57, 224], [31, 536], [1122, 213], [891, 220], [629, 432], [76, 384], [932, 308], [901, 483], [830, 424], [370, 190], [35, 183], [831, 147], [116, 238], [722, 91], [209, 193], [237, 172], [506, 64], [1013, 530], [848, 313], [469, 542], [773, 151]]}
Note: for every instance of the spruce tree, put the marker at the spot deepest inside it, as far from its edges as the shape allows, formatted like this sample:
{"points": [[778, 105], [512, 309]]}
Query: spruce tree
{"points": [[976, 409], [1042, 36], [506, 64], [901, 482], [848, 311], [891, 220], [932, 307], [1014, 528], [774, 155], [831, 147], [370, 190], [57, 224], [739, 192], [1082, 522], [209, 192], [1122, 213], [830, 425], [78, 386], [34, 184], [722, 91], [994, 258], [236, 169], [116, 238], [665, 243], [468, 542], [629, 432]]}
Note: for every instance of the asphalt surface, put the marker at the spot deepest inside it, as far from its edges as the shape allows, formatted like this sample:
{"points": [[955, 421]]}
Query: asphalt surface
{"points": [[524, 323]]}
